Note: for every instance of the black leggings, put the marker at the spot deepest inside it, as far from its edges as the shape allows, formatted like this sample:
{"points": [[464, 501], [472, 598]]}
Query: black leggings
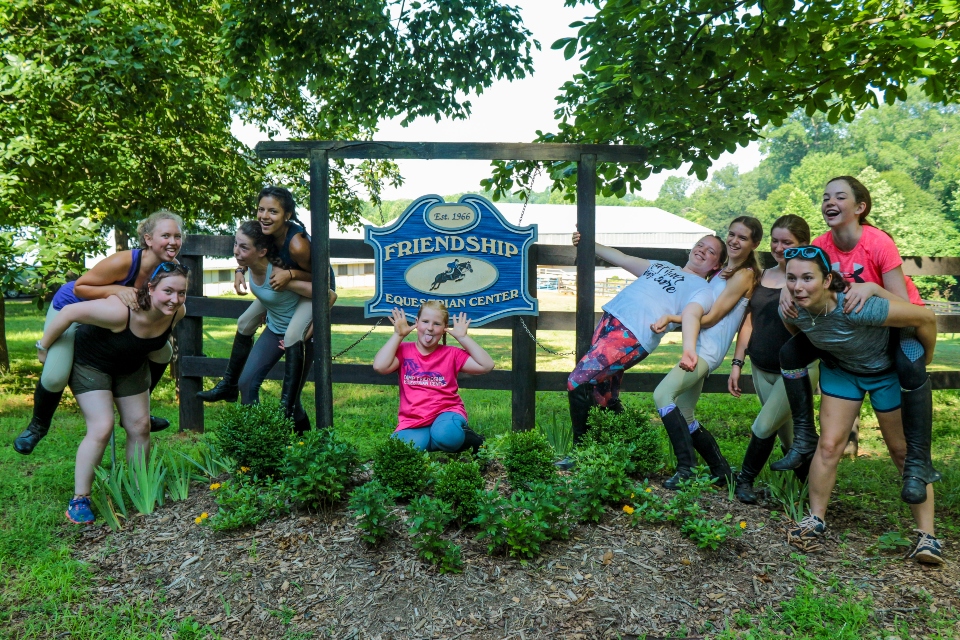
{"points": [[264, 355], [905, 350]]}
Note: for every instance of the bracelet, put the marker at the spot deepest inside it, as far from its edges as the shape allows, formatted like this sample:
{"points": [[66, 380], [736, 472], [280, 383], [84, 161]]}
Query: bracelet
{"points": [[242, 270], [40, 346], [737, 362], [290, 271]]}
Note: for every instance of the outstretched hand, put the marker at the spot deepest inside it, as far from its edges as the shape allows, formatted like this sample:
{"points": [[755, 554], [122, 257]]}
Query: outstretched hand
{"points": [[400, 325], [460, 324], [689, 361]]}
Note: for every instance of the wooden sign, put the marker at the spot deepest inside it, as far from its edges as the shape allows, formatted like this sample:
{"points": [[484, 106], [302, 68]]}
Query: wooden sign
{"points": [[464, 254]]}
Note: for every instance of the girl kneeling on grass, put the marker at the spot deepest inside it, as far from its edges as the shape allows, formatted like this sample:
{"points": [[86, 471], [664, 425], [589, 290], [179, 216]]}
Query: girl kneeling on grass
{"points": [[858, 340], [110, 368], [432, 415]]}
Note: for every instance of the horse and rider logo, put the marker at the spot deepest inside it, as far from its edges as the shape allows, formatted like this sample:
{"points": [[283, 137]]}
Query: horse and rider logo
{"points": [[455, 271]]}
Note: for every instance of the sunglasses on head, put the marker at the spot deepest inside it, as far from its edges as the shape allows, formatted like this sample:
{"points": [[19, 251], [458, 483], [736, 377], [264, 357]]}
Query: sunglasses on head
{"points": [[170, 267], [807, 253]]}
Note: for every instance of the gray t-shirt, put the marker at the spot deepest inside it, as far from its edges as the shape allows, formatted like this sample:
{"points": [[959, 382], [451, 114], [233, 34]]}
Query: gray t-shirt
{"points": [[855, 339], [664, 288]]}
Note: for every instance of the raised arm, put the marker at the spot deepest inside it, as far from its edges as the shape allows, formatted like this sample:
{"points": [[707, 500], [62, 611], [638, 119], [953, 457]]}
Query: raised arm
{"points": [[300, 252], [386, 360], [100, 281], [903, 314], [479, 361], [636, 266]]}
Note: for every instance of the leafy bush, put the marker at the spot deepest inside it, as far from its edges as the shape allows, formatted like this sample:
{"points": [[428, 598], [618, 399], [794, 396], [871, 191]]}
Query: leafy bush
{"points": [[458, 483], [428, 518], [641, 441], [316, 468], [521, 525], [372, 505], [602, 477], [402, 467], [244, 504], [254, 435], [528, 458], [709, 533]]}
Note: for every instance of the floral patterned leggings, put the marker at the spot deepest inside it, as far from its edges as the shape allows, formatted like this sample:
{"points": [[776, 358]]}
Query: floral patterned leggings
{"points": [[614, 350]]}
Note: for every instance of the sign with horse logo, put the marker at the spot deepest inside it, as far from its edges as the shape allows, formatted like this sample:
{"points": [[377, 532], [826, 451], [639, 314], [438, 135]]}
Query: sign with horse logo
{"points": [[464, 254]]}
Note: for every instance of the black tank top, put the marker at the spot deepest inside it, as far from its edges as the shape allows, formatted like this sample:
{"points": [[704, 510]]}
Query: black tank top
{"points": [[116, 354], [287, 260], [769, 334]]}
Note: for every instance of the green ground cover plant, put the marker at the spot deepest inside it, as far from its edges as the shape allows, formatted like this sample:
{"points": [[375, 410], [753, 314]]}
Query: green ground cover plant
{"points": [[372, 505], [458, 483], [528, 458], [317, 468], [401, 466], [254, 435]]}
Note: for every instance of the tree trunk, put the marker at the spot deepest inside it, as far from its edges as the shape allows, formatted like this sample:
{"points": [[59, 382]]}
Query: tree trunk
{"points": [[4, 352], [122, 239]]}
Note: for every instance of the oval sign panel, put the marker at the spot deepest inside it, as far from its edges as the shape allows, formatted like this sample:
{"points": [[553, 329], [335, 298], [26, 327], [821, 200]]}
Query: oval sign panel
{"points": [[451, 217], [451, 275]]}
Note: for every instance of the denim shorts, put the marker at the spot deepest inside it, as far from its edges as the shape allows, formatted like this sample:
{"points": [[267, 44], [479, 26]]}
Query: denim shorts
{"points": [[884, 388]]}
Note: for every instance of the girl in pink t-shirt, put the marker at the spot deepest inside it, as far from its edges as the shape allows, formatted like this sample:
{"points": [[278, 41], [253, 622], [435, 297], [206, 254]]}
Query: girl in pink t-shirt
{"points": [[869, 260], [432, 415]]}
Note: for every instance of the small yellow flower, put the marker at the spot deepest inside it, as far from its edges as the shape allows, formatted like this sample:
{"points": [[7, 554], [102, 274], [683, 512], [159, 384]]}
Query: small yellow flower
{"points": [[648, 490], [198, 520], [204, 515], [718, 536], [244, 469], [214, 486], [627, 509], [743, 524], [300, 443], [631, 495]]}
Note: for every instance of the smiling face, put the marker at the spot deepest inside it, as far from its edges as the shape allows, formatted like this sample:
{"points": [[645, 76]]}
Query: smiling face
{"points": [[165, 240], [169, 294], [840, 207], [781, 239], [245, 252], [430, 327], [705, 256], [271, 216], [807, 284], [739, 242]]}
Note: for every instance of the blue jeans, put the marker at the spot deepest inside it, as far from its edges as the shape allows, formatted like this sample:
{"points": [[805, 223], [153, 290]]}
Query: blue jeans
{"points": [[445, 434]]}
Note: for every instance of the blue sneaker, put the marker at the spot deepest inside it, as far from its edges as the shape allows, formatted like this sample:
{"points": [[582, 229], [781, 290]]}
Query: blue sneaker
{"points": [[79, 511]]}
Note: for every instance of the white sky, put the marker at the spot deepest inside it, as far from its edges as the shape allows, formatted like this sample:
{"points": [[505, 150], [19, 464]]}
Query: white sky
{"points": [[506, 112]]}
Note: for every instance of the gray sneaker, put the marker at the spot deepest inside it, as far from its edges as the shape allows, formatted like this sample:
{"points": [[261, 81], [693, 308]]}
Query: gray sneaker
{"points": [[807, 535], [927, 550]]}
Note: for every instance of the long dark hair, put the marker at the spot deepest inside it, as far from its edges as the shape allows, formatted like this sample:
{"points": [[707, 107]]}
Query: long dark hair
{"points": [[165, 270], [837, 283], [285, 198], [861, 195], [756, 235]]}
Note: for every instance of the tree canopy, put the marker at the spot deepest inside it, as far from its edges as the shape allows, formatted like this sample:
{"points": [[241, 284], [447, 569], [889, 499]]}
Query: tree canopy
{"points": [[690, 79]]}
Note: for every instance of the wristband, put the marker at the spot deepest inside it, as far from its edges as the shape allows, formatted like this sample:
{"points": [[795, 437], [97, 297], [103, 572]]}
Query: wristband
{"points": [[40, 346], [737, 362], [242, 270]]}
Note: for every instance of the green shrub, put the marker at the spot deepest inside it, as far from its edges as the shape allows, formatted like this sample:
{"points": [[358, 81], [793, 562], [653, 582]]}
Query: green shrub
{"points": [[254, 436], [372, 505], [402, 467], [528, 458], [458, 483], [317, 468], [428, 518], [244, 504], [709, 533], [521, 525], [641, 441], [602, 477]]}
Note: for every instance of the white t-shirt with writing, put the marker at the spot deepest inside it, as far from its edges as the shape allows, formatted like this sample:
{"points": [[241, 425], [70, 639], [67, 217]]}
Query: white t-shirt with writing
{"points": [[713, 343], [664, 288]]}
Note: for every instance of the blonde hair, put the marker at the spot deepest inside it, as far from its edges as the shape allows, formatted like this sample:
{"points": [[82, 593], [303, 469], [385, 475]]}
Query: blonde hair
{"points": [[147, 225], [436, 305]]}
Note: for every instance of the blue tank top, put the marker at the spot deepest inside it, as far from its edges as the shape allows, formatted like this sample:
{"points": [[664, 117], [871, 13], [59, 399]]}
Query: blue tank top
{"points": [[280, 305], [288, 262], [65, 295]]}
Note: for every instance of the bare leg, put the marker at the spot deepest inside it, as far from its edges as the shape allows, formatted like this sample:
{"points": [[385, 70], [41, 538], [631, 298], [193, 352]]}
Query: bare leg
{"points": [[97, 409], [135, 419], [891, 426], [836, 419]]}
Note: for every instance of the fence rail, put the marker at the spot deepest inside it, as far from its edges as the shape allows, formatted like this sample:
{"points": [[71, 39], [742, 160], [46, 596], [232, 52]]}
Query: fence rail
{"points": [[522, 379]]}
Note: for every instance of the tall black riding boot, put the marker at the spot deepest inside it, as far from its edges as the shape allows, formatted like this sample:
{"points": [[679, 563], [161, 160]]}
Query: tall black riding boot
{"points": [[294, 375], [916, 409], [800, 395], [706, 445], [156, 375], [758, 452], [227, 388], [581, 400], [679, 434], [44, 406]]}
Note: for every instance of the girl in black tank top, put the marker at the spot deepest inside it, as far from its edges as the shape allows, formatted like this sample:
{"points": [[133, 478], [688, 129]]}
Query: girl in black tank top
{"points": [[111, 352]]}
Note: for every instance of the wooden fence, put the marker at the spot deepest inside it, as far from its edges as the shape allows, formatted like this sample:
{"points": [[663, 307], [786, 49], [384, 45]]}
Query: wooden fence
{"points": [[522, 379]]}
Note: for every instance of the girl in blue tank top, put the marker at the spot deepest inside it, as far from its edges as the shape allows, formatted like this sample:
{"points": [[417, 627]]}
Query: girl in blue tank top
{"points": [[161, 236], [288, 250]]}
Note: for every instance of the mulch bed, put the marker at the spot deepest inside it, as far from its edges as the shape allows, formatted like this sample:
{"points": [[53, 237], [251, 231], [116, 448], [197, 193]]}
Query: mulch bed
{"points": [[309, 574]]}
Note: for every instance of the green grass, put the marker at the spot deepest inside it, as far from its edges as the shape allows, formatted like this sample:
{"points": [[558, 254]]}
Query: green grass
{"points": [[46, 593]]}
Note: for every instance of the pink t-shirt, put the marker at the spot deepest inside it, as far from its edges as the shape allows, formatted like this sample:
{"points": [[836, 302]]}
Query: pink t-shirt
{"points": [[874, 255], [428, 384]]}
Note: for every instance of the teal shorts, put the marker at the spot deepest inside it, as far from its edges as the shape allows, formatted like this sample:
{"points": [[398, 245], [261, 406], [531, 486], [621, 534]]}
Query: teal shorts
{"points": [[884, 388]]}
